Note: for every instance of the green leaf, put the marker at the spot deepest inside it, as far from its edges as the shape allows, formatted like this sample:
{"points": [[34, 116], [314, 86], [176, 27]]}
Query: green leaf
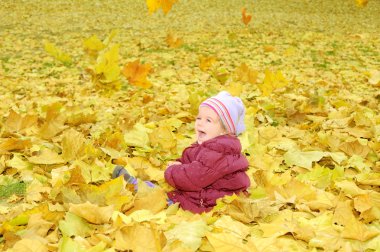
{"points": [[74, 225]]}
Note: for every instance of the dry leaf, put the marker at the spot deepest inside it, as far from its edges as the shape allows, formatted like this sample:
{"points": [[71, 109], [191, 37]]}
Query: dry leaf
{"points": [[137, 73]]}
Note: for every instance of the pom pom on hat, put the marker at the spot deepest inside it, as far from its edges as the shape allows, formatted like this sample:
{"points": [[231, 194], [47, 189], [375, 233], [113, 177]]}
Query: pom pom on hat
{"points": [[230, 109]]}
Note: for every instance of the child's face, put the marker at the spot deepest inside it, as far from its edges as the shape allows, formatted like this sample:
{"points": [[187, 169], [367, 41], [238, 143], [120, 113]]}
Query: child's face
{"points": [[208, 125]]}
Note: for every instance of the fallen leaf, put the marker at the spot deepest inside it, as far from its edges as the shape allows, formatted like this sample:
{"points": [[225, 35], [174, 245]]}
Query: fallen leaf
{"points": [[205, 62], [137, 73], [173, 42], [190, 233], [92, 213]]}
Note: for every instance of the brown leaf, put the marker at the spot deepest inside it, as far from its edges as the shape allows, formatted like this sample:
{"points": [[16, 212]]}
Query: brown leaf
{"points": [[355, 148]]}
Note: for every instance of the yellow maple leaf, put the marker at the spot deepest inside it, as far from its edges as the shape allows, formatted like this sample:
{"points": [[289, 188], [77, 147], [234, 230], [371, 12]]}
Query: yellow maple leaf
{"points": [[173, 42], [189, 232], [112, 192], [154, 5], [361, 3], [18, 123], [107, 66], [205, 62], [233, 227], [246, 74], [139, 237], [57, 53], [93, 45], [272, 82], [357, 230], [92, 212], [163, 137], [137, 73], [153, 199]]}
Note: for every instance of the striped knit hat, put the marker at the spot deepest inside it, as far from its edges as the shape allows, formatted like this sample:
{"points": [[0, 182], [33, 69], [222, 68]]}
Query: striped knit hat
{"points": [[230, 110]]}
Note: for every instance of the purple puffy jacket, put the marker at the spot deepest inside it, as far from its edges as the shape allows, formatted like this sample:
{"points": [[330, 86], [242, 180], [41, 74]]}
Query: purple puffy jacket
{"points": [[208, 171]]}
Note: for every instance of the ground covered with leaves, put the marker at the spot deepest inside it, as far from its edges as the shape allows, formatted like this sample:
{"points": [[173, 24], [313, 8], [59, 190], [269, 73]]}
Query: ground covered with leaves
{"points": [[85, 85]]}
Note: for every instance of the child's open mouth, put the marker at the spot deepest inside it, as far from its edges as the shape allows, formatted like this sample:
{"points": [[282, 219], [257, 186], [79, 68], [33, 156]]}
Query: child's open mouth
{"points": [[201, 133]]}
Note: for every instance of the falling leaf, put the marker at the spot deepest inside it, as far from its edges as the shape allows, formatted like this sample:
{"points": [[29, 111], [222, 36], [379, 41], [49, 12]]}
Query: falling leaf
{"points": [[154, 5], [107, 65], [361, 3], [58, 54], [137, 73], [245, 18], [93, 43]]}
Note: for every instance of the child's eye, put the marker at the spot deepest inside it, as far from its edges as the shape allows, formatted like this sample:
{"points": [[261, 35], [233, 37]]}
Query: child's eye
{"points": [[198, 118], [208, 120]]}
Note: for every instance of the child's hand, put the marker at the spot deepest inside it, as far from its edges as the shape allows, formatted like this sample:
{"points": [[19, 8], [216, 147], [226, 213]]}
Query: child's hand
{"points": [[173, 163]]}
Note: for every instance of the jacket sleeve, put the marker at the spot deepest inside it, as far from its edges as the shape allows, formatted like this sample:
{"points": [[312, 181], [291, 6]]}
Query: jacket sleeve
{"points": [[197, 175]]}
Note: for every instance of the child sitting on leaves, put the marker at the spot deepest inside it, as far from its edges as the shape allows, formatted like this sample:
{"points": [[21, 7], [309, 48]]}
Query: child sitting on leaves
{"points": [[213, 166]]}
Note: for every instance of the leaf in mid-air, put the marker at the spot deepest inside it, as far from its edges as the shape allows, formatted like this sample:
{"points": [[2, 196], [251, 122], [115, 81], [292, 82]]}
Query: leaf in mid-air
{"points": [[245, 17], [154, 5], [57, 53], [361, 3], [107, 67]]}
